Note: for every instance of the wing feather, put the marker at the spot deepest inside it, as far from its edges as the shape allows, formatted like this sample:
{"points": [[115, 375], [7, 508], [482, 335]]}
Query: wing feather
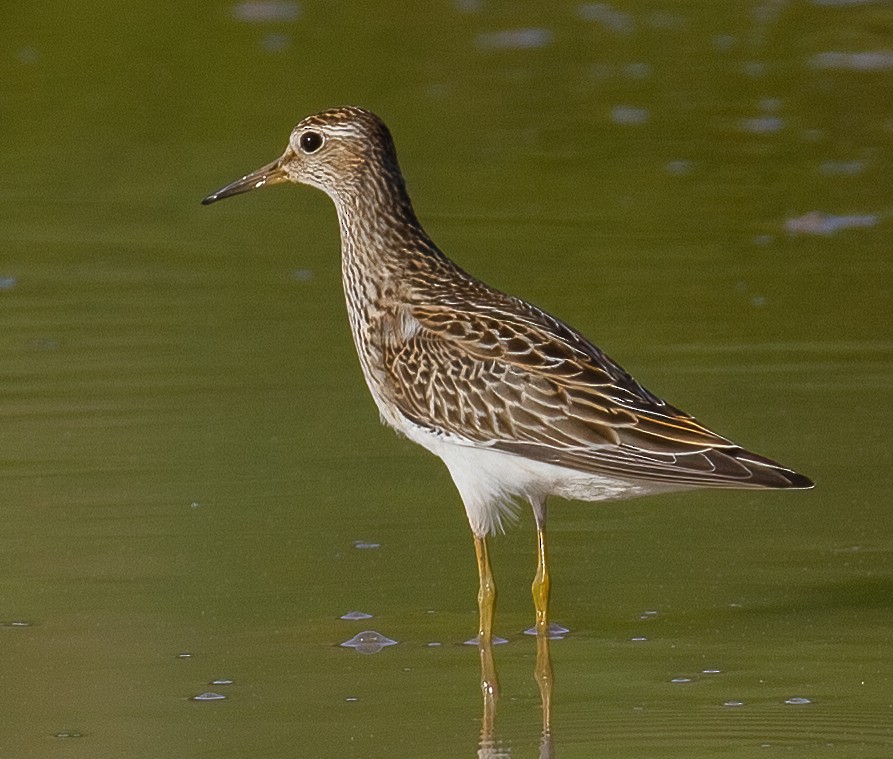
{"points": [[502, 373]]}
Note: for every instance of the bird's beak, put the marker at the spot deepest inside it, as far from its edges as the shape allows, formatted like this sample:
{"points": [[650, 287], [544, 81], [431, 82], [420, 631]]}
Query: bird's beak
{"points": [[272, 173]]}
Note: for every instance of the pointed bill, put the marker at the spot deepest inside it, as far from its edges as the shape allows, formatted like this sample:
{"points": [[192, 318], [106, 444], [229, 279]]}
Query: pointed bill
{"points": [[272, 173]]}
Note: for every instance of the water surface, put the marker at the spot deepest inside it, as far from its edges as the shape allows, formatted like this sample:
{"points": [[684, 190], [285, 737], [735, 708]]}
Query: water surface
{"points": [[196, 487]]}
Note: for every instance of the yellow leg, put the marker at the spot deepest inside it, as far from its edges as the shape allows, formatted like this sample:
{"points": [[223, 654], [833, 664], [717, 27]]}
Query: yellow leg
{"points": [[487, 591], [543, 671], [541, 582], [486, 603]]}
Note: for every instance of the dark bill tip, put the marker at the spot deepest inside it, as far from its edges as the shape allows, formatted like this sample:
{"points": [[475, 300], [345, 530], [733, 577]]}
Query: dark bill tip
{"points": [[272, 173]]}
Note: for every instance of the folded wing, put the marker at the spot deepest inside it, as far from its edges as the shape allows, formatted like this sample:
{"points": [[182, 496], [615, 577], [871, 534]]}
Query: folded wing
{"points": [[503, 373]]}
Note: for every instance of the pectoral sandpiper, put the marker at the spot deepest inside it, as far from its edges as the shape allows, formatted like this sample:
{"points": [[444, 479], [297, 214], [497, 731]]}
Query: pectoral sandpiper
{"points": [[517, 403]]}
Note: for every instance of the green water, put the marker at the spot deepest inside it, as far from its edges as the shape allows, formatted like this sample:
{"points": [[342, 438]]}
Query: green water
{"points": [[188, 454]]}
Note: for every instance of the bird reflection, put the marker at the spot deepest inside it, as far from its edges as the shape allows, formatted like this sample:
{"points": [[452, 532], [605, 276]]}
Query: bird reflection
{"points": [[489, 746]]}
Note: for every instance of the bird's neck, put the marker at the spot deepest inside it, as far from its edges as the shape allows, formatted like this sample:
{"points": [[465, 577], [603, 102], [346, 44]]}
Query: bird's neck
{"points": [[382, 241]]}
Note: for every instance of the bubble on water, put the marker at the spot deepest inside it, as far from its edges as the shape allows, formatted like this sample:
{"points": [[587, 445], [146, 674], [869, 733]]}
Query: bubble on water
{"points": [[354, 615], [351, 699], [68, 734], [208, 696], [649, 614], [638, 639], [553, 632], [365, 545], [221, 681], [17, 623], [711, 671], [797, 701], [184, 655], [434, 644], [368, 642], [681, 680], [733, 703]]}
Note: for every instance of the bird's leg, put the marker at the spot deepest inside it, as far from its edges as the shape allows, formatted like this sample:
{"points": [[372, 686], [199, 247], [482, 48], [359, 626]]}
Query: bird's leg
{"points": [[487, 591], [541, 578], [543, 671], [486, 602]]}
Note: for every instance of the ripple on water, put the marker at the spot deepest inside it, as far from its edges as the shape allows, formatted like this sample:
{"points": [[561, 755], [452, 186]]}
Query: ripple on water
{"points": [[554, 631], [868, 60], [818, 223], [368, 642], [766, 124], [629, 115], [608, 18], [842, 168], [515, 39], [679, 167], [475, 641], [266, 11]]}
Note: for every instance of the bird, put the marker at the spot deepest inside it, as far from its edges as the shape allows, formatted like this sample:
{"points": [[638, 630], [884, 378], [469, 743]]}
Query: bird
{"points": [[519, 405]]}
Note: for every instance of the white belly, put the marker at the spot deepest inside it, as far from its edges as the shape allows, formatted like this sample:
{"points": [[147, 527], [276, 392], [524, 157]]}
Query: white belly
{"points": [[490, 481]]}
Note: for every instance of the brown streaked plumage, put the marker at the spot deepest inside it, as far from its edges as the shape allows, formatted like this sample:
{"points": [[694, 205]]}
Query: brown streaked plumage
{"points": [[516, 402]]}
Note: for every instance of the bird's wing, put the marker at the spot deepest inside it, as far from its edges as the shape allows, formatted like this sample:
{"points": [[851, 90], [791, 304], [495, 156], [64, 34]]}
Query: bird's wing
{"points": [[509, 375]]}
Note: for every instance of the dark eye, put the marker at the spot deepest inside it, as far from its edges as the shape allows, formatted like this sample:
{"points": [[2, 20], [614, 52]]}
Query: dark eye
{"points": [[311, 142]]}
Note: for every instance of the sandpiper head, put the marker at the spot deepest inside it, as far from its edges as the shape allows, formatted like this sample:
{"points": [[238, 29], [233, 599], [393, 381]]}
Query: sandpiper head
{"points": [[332, 150]]}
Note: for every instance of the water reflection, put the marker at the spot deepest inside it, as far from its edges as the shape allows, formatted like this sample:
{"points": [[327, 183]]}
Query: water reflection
{"points": [[489, 746]]}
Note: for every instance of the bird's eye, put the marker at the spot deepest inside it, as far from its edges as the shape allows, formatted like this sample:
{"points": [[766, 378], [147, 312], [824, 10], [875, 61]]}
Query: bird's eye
{"points": [[311, 142]]}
